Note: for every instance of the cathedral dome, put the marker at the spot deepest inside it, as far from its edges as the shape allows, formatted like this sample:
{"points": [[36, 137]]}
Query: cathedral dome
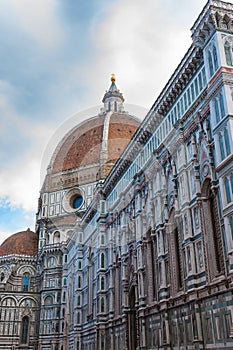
{"points": [[99, 141], [85, 143], [84, 156], [24, 242]]}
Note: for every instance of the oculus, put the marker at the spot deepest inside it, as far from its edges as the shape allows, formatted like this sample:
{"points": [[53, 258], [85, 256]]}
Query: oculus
{"points": [[73, 200]]}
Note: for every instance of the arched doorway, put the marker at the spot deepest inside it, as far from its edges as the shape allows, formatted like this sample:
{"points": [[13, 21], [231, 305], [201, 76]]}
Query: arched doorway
{"points": [[133, 321]]}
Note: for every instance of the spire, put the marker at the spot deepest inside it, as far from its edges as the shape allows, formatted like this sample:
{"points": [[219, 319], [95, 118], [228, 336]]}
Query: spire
{"points": [[113, 98]]}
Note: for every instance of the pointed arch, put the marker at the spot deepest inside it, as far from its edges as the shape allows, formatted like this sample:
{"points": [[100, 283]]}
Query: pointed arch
{"points": [[212, 229], [175, 253]]}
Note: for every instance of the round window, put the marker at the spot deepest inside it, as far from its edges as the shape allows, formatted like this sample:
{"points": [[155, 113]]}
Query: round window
{"points": [[76, 201], [73, 200]]}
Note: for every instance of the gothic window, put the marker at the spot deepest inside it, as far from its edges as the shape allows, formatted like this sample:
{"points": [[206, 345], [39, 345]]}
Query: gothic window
{"points": [[64, 296], [102, 260], [221, 145], [26, 279], [25, 330], [47, 238], [222, 108], [51, 262], [227, 142], [200, 255], [79, 281], [115, 106], [2, 276], [186, 223], [102, 305], [102, 240], [228, 54], [216, 108], [102, 283], [211, 68], [160, 275], [64, 282], [56, 237], [196, 218], [227, 190], [78, 317], [215, 57], [189, 262], [79, 300]]}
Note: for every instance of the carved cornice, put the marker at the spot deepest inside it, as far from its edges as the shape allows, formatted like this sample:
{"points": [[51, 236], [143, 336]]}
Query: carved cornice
{"points": [[216, 15]]}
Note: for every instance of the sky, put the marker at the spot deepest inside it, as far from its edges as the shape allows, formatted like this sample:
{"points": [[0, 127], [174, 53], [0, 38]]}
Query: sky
{"points": [[57, 57]]}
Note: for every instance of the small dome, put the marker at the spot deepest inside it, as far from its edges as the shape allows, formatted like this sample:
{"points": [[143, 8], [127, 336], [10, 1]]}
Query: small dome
{"points": [[24, 242]]}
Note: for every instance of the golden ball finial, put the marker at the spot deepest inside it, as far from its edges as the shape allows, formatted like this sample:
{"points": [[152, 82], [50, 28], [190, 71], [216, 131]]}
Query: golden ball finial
{"points": [[113, 78]]}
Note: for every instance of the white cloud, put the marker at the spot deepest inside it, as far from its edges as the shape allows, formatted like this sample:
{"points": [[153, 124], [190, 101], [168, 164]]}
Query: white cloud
{"points": [[142, 43], [38, 19], [20, 175]]}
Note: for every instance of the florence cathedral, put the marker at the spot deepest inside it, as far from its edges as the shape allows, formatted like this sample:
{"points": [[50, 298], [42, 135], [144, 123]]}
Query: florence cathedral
{"points": [[133, 244]]}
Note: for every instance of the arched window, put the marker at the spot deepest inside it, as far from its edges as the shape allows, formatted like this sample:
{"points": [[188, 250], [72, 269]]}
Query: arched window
{"points": [[115, 106], [102, 283], [222, 108], [47, 238], [51, 262], [56, 237], [227, 142], [221, 145], [228, 54], [189, 259], [79, 281], [78, 317], [215, 56], [64, 296], [64, 282], [25, 329], [48, 300], [102, 260], [211, 68], [79, 300], [26, 279], [227, 190], [102, 305], [216, 108]]}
